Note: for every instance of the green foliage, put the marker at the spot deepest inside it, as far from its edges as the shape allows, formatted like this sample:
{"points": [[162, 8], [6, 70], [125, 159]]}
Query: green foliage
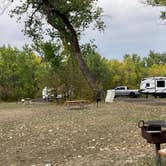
{"points": [[133, 70], [157, 70], [18, 73], [155, 58], [98, 65], [73, 79], [50, 53]]}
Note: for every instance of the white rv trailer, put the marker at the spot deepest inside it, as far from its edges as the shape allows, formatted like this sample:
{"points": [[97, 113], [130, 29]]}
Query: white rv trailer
{"points": [[154, 86]]}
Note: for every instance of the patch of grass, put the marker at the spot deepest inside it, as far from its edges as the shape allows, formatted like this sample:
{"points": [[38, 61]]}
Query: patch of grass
{"points": [[147, 161]]}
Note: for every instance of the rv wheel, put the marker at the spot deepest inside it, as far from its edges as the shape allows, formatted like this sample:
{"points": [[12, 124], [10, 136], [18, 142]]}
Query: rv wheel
{"points": [[132, 94], [162, 95]]}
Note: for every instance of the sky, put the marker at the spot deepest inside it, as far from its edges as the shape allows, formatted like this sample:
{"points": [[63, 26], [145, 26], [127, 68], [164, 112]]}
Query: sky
{"points": [[131, 27]]}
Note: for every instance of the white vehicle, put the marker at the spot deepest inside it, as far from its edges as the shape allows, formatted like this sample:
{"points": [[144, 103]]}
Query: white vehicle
{"points": [[125, 91], [154, 86]]}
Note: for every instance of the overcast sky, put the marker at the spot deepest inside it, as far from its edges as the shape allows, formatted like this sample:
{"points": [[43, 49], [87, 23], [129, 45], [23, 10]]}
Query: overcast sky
{"points": [[131, 27]]}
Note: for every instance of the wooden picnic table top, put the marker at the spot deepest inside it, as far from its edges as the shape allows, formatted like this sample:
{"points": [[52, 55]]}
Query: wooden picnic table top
{"points": [[77, 101]]}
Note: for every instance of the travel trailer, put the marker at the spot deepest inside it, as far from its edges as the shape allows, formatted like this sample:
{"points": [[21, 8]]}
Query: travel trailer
{"points": [[154, 86]]}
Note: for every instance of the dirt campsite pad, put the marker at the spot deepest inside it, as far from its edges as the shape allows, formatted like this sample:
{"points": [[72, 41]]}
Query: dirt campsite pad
{"points": [[48, 135]]}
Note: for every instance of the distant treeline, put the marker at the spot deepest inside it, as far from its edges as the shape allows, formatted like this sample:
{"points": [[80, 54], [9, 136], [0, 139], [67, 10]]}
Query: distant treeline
{"points": [[23, 73]]}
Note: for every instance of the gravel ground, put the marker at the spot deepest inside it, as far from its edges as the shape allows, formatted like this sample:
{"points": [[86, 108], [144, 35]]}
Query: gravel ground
{"points": [[47, 134]]}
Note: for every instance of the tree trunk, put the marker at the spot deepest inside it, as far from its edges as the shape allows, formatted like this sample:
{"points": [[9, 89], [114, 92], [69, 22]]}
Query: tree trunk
{"points": [[76, 53]]}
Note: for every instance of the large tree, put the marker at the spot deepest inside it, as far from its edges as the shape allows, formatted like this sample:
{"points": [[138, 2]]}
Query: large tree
{"points": [[64, 20]]}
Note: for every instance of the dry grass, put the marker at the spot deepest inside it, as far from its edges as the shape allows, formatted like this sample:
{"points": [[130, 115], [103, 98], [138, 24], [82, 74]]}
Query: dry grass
{"points": [[33, 135]]}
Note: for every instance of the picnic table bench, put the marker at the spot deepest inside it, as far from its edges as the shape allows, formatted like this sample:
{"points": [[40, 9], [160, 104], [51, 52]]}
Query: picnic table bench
{"points": [[76, 104]]}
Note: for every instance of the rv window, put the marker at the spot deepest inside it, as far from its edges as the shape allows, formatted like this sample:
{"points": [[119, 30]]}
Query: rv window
{"points": [[160, 84], [147, 85]]}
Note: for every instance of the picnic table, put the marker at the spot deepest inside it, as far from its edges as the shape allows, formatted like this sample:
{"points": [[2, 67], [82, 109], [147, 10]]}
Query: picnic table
{"points": [[76, 104]]}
